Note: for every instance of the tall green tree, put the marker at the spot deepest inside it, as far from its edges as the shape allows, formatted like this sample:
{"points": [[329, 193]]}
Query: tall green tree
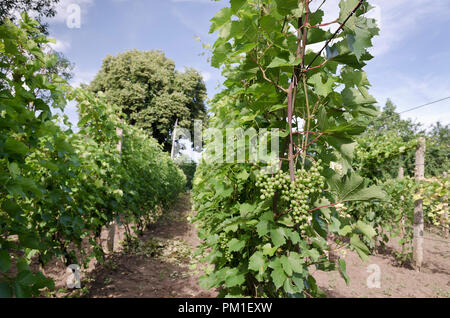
{"points": [[388, 138], [437, 156], [151, 93], [390, 120]]}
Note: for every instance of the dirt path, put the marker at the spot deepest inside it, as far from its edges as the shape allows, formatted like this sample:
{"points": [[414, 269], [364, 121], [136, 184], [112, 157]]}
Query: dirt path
{"points": [[160, 263]]}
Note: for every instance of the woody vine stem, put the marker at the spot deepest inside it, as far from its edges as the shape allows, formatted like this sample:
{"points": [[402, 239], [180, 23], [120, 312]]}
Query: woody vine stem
{"points": [[300, 71]]}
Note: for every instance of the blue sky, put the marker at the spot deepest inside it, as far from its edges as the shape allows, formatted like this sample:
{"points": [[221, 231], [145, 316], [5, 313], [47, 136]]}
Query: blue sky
{"points": [[412, 53]]}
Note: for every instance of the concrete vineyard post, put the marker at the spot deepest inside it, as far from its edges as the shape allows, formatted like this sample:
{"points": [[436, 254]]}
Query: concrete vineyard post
{"points": [[444, 219], [418, 205], [172, 154], [400, 176], [401, 173], [113, 227]]}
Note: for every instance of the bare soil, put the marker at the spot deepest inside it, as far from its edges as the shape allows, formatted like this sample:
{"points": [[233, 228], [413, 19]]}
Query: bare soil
{"points": [[396, 281], [161, 264]]}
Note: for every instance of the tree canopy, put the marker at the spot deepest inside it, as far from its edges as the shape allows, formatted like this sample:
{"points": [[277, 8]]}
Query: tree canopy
{"points": [[437, 157], [389, 120], [38, 8], [151, 93]]}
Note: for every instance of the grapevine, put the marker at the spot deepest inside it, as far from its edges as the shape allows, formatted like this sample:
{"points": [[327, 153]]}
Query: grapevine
{"points": [[60, 188], [277, 224], [297, 195]]}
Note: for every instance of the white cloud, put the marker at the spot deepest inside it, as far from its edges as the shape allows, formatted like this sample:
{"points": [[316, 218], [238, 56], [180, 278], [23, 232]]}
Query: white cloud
{"points": [[82, 77], [414, 92], [207, 76], [398, 20], [60, 46]]}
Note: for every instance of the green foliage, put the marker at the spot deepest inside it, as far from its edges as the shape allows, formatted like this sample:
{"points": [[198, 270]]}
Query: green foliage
{"points": [[391, 218], [389, 121], [59, 188], [389, 143], [434, 193], [37, 8], [379, 157], [437, 156], [394, 217], [262, 234], [145, 85], [63, 67], [189, 169]]}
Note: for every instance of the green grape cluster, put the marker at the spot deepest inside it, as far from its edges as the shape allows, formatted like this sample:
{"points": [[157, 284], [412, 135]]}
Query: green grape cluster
{"points": [[223, 243], [295, 194]]}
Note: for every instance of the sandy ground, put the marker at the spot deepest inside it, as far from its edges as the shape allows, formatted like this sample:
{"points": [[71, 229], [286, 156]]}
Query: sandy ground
{"points": [[161, 265], [395, 281]]}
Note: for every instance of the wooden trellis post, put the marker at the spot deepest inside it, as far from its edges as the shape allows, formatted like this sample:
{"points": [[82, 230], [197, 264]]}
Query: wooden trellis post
{"points": [[444, 219], [172, 153], [113, 227], [400, 176], [418, 205], [401, 173]]}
